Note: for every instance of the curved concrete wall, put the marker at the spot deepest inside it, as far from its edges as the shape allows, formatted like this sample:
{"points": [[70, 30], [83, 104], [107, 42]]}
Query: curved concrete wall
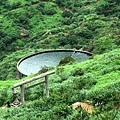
{"points": [[33, 63]]}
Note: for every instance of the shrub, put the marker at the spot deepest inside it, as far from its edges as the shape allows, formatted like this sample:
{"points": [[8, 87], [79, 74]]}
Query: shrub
{"points": [[67, 13], [72, 40], [107, 94], [78, 72], [66, 60], [15, 5], [61, 3], [84, 32], [62, 40], [66, 21], [50, 11]]}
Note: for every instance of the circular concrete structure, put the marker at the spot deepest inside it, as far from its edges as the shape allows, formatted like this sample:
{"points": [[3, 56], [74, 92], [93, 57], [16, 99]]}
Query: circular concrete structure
{"points": [[33, 63]]}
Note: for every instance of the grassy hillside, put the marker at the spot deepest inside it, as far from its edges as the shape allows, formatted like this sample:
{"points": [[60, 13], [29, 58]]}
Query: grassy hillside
{"points": [[34, 25], [27, 27], [100, 80]]}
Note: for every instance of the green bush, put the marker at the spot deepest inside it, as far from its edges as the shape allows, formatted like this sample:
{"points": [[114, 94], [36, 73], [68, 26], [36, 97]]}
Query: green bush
{"points": [[50, 11], [15, 5], [84, 32], [62, 40], [66, 21], [108, 94], [72, 39], [78, 72], [61, 3], [67, 13], [66, 60]]}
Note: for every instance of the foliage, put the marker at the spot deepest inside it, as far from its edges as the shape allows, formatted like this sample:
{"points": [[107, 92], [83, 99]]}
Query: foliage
{"points": [[68, 86], [92, 25], [66, 60], [66, 13], [78, 71]]}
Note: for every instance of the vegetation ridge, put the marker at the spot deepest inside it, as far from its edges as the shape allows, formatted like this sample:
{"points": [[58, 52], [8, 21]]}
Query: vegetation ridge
{"points": [[27, 27]]}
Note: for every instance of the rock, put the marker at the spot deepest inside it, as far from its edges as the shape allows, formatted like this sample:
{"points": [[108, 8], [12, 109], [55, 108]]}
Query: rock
{"points": [[23, 32], [76, 105], [85, 106]]}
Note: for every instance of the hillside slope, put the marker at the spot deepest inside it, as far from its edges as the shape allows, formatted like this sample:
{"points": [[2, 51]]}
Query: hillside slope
{"points": [[100, 80], [28, 27]]}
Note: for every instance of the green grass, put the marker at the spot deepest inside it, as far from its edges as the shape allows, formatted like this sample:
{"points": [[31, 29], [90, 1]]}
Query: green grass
{"points": [[7, 83], [101, 72], [74, 87], [23, 2], [1, 16], [107, 79]]}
